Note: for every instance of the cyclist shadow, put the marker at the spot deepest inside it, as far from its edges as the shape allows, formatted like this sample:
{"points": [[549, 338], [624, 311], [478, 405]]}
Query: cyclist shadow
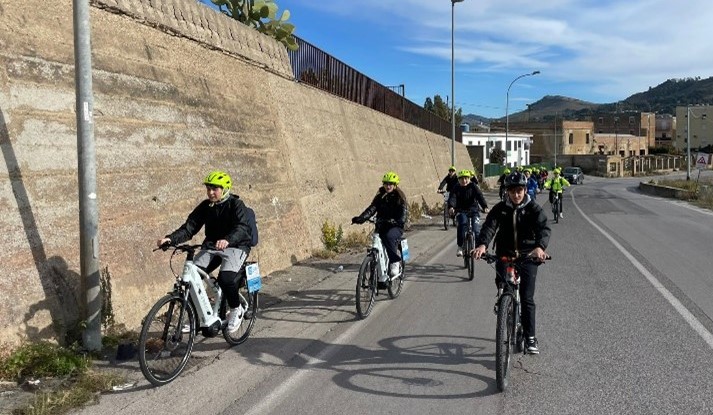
{"points": [[415, 366], [435, 274], [309, 305]]}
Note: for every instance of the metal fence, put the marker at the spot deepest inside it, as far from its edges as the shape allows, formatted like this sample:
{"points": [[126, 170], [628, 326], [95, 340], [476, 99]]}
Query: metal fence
{"points": [[315, 67]]}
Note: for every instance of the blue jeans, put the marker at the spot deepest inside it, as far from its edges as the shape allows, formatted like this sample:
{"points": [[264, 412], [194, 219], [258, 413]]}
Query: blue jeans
{"points": [[462, 221]]}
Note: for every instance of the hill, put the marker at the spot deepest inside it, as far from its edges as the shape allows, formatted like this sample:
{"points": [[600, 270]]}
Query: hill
{"points": [[662, 99]]}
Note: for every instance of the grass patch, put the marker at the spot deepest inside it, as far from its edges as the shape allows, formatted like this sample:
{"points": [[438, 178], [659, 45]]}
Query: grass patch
{"points": [[75, 393], [43, 359], [67, 380], [699, 193], [357, 239]]}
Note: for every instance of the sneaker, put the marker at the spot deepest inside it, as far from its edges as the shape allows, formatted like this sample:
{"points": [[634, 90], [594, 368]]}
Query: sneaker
{"points": [[395, 268], [459, 252], [235, 318], [561, 216], [531, 345]]}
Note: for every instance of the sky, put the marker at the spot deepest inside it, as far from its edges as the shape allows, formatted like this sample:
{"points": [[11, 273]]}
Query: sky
{"points": [[600, 51]]}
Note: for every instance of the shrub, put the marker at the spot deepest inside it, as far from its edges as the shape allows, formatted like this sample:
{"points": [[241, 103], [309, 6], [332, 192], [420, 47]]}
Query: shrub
{"points": [[357, 239], [331, 236]]}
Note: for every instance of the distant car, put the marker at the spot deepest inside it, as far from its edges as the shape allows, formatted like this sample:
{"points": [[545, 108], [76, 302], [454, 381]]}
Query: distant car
{"points": [[573, 175]]}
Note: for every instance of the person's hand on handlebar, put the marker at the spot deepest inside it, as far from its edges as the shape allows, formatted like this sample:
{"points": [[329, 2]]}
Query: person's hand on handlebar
{"points": [[163, 241], [221, 244], [440, 191], [539, 253], [451, 211], [478, 251]]}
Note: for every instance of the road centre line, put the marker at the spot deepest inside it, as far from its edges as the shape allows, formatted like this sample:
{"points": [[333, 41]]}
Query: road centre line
{"points": [[677, 305]]}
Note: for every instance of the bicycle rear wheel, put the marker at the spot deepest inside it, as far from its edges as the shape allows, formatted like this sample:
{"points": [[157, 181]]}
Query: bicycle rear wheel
{"points": [[502, 341], [166, 339], [470, 261], [250, 301], [366, 286]]}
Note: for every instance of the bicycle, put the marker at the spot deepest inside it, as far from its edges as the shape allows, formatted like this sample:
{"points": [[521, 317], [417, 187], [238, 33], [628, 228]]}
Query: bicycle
{"points": [[195, 303], [446, 216], [374, 266], [556, 206], [509, 336], [469, 242]]}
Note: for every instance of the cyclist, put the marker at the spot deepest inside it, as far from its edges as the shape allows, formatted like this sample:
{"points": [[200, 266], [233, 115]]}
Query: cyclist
{"points": [[465, 197], [519, 227], [449, 181], [556, 185], [391, 211], [532, 185], [501, 182], [227, 230]]}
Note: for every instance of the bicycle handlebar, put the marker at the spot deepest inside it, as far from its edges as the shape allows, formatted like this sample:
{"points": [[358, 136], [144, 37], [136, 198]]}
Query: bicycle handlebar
{"points": [[491, 258]]}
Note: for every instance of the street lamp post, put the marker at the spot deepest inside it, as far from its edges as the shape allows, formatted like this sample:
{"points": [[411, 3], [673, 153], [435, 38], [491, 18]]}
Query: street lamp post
{"points": [[507, 114], [453, 73]]}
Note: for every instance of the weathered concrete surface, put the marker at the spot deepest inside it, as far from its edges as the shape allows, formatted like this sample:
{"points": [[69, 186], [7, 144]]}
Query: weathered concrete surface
{"points": [[664, 191], [179, 90]]}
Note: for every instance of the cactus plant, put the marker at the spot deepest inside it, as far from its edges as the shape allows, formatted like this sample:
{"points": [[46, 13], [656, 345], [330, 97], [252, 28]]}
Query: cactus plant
{"points": [[261, 15]]}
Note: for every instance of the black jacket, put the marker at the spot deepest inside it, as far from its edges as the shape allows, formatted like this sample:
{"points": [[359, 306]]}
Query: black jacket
{"points": [[449, 182], [387, 206], [224, 220], [466, 198], [517, 230]]}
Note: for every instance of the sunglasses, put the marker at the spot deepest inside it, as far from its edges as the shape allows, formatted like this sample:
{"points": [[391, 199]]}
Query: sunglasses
{"points": [[388, 183]]}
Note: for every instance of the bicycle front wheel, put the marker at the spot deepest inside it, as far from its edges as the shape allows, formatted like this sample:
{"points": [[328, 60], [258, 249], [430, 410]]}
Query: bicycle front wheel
{"points": [[503, 332], [470, 261], [446, 217], [166, 339], [555, 210], [250, 302], [366, 286]]}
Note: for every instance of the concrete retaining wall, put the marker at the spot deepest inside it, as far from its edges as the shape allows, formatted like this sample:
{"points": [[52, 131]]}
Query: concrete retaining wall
{"points": [[179, 90], [663, 191]]}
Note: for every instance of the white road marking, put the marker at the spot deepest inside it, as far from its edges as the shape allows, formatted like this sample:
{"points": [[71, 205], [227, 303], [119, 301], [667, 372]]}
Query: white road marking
{"points": [[682, 310]]}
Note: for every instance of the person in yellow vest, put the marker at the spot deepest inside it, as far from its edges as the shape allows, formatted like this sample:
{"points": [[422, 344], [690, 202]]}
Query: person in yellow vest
{"points": [[556, 185]]}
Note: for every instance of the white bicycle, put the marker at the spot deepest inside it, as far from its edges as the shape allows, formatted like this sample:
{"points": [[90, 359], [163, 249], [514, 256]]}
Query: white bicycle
{"points": [[195, 303], [375, 269]]}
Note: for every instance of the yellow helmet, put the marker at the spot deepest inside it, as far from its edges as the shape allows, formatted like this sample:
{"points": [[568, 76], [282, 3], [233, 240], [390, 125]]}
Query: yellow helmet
{"points": [[507, 171], [220, 179], [452, 168], [464, 173], [390, 177], [557, 170]]}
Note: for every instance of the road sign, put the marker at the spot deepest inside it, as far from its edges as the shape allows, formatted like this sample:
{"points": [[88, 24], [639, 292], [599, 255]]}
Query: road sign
{"points": [[703, 160]]}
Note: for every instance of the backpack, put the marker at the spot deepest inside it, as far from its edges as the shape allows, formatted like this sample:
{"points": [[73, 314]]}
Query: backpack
{"points": [[253, 225]]}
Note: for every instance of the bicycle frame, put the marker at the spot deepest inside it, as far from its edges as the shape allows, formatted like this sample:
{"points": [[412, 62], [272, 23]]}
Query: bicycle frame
{"points": [[377, 248], [193, 277]]}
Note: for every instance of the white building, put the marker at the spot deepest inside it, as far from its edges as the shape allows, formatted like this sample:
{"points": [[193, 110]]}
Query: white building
{"points": [[518, 146]]}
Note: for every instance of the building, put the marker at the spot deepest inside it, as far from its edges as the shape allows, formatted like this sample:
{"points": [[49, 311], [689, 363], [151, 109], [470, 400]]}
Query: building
{"points": [[700, 123], [480, 145], [665, 130]]}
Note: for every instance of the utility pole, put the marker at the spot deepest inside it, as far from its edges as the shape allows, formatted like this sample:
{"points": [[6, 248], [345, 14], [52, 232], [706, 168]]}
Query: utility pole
{"points": [[88, 212]]}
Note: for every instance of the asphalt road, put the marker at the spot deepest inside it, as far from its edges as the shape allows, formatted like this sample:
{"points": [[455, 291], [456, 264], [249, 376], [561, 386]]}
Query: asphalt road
{"points": [[624, 324]]}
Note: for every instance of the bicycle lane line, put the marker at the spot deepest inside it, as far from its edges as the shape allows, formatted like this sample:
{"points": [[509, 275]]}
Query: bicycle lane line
{"points": [[692, 321]]}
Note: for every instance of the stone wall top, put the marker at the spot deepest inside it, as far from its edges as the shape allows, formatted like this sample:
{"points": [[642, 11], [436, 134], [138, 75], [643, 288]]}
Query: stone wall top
{"points": [[200, 23]]}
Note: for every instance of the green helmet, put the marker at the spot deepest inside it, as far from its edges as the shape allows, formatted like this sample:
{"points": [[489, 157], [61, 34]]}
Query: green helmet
{"points": [[464, 173], [506, 171], [220, 179], [557, 171], [452, 168], [390, 177]]}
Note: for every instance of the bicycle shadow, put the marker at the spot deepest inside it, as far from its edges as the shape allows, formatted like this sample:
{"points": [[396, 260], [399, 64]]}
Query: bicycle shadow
{"points": [[412, 364]]}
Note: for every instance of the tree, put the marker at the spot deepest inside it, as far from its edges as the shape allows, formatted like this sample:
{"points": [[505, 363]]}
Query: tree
{"points": [[253, 12], [497, 156], [441, 109]]}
